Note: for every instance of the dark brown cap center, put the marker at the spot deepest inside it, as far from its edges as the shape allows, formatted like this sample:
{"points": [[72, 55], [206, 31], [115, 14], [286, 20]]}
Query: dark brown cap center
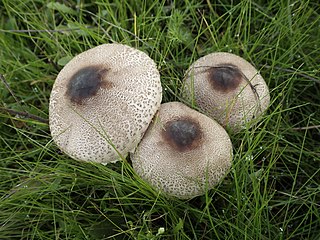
{"points": [[224, 77], [182, 134], [85, 83]]}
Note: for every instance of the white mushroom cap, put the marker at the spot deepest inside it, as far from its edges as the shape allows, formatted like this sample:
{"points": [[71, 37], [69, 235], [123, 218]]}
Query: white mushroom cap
{"points": [[227, 88], [183, 152], [103, 101]]}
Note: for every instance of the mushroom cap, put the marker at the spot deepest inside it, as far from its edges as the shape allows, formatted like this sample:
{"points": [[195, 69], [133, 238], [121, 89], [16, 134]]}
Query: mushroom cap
{"points": [[103, 101], [183, 152], [227, 88]]}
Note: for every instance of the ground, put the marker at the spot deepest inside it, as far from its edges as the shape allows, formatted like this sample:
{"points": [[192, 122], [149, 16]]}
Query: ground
{"points": [[272, 189]]}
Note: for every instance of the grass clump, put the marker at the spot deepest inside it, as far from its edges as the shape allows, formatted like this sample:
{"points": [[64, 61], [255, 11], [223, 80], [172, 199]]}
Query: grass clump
{"points": [[272, 190]]}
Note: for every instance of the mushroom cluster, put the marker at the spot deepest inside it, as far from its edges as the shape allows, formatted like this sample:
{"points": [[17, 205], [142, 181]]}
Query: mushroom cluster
{"points": [[106, 103]]}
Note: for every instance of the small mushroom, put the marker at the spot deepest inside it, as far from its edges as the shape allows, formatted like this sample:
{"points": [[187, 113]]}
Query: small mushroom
{"points": [[227, 88], [183, 153], [103, 101]]}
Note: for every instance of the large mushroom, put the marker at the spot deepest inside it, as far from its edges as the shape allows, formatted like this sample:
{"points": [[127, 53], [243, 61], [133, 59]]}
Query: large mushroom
{"points": [[183, 153], [103, 101], [227, 88]]}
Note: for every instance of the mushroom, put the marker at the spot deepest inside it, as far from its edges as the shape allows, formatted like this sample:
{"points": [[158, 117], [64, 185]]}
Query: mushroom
{"points": [[227, 88], [183, 152], [102, 102]]}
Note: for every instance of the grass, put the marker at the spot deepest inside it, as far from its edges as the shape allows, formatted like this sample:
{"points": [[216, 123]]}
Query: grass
{"points": [[273, 188]]}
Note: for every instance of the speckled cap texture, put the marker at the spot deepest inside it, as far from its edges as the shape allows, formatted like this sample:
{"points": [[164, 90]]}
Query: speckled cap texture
{"points": [[183, 152], [227, 88], [103, 101]]}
